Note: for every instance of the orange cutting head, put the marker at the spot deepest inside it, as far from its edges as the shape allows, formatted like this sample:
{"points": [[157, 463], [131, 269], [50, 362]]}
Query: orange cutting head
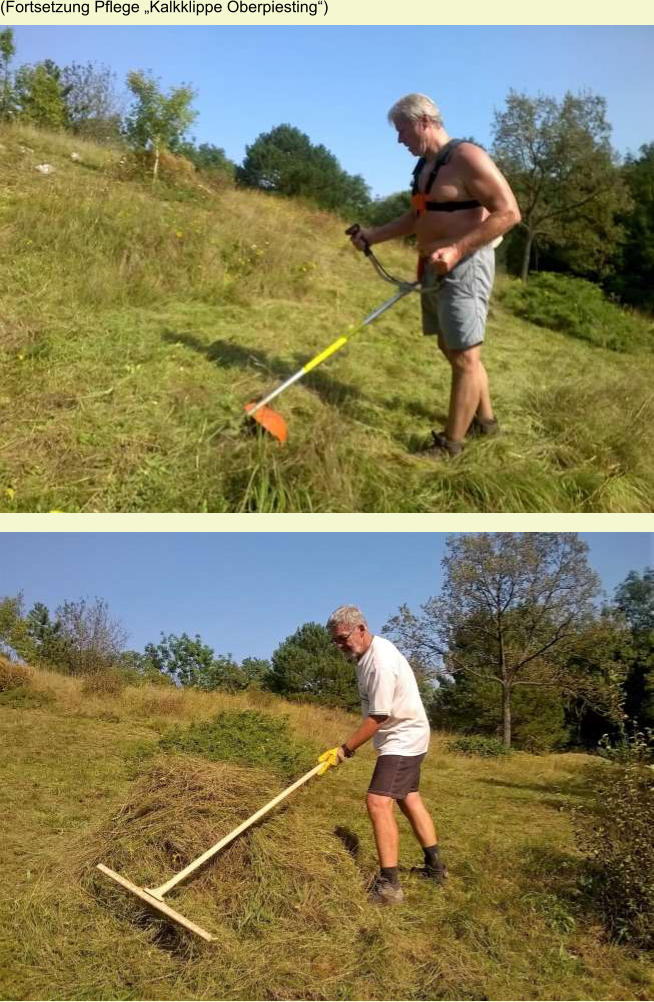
{"points": [[270, 420]]}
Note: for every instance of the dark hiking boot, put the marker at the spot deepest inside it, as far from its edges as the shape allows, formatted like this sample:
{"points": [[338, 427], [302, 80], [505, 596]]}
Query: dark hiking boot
{"points": [[442, 447], [383, 892], [436, 872], [479, 427]]}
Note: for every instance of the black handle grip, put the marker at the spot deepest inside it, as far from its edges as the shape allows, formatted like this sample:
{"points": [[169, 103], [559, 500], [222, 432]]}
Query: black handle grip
{"points": [[352, 231]]}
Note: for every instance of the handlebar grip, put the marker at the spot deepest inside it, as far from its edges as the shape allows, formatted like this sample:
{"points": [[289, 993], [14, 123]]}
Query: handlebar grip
{"points": [[352, 231]]}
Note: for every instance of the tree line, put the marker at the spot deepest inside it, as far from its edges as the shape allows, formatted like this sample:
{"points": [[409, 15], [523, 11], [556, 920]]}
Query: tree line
{"points": [[515, 645], [584, 212]]}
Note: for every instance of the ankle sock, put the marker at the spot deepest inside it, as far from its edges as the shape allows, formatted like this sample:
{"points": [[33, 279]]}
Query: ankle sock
{"points": [[390, 873], [432, 856]]}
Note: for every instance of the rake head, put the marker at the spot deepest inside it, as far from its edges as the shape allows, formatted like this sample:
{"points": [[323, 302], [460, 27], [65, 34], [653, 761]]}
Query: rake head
{"points": [[269, 419], [156, 904]]}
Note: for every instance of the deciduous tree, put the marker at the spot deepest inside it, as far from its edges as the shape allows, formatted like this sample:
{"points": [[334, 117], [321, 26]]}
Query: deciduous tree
{"points": [[186, 660], [511, 611], [7, 52], [89, 640], [41, 95], [634, 597], [92, 103], [559, 161], [157, 121], [15, 638], [633, 280]]}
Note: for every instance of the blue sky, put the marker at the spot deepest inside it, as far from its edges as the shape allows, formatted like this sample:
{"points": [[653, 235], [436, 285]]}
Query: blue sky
{"points": [[245, 592], [337, 83]]}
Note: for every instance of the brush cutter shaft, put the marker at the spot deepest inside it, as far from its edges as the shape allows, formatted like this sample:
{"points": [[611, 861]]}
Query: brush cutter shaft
{"points": [[333, 347], [158, 892]]}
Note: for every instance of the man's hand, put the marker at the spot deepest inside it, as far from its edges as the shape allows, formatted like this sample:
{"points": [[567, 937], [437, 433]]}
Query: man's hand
{"points": [[332, 757], [361, 239], [444, 259]]}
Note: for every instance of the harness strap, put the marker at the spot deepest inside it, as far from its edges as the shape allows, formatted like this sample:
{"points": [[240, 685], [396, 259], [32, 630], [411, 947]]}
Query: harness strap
{"points": [[419, 199]]}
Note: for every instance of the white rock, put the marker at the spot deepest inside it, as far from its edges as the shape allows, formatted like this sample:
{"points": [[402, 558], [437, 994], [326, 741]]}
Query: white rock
{"points": [[75, 156], [45, 168]]}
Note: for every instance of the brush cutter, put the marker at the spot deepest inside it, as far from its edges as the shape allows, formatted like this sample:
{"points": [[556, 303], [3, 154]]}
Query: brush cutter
{"points": [[153, 896], [269, 418]]}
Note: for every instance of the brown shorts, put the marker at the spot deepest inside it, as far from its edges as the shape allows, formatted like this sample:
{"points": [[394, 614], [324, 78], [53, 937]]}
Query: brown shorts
{"points": [[396, 775]]}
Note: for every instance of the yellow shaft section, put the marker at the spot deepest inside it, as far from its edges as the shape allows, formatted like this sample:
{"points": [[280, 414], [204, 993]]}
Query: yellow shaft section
{"points": [[325, 354]]}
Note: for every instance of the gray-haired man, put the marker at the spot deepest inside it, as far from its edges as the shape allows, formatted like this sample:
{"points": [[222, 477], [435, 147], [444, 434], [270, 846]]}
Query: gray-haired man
{"points": [[395, 719], [461, 206]]}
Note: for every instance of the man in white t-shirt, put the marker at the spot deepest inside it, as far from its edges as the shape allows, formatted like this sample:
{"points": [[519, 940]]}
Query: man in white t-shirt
{"points": [[395, 719]]}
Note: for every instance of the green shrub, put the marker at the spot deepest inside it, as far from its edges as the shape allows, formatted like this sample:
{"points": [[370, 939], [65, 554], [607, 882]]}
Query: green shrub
{"points": [[615, 833], [579, 308], [636, 748], [473, 706], [247, 738], [477, 744]]}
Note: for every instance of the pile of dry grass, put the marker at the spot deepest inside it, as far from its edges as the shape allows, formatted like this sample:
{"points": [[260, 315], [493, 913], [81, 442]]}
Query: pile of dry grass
{"points": [[287, 878], [13, 675], [177, 809]]}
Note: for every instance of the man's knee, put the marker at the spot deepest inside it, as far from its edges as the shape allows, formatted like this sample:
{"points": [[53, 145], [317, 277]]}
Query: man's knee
{"points": [[410, 802], [378, 805], [466, 360]]}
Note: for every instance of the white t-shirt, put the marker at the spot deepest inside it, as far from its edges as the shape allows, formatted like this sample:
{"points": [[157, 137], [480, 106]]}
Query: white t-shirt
{"points": [[388, 687]]}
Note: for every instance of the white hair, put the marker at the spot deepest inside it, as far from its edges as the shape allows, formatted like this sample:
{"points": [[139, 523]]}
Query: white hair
{"points": [[413, 107], [346, 615]]}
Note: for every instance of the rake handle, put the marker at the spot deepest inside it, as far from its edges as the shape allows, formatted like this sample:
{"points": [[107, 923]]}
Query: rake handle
{"points": [[158, 892]]}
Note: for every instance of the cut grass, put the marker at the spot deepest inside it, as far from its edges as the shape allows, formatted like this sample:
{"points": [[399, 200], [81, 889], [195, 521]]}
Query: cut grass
{"points": [[288, 900], [135, 327]]}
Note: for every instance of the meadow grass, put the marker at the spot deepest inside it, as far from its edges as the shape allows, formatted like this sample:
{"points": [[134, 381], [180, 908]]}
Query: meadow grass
{"points": [[287, 901], [136, 321]]}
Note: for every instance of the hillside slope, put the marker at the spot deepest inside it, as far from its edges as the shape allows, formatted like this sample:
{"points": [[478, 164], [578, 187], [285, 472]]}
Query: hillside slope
{"points": [[87, 778], [137, 321]]}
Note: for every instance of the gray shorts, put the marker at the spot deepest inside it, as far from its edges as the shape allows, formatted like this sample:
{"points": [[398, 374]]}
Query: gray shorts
{"points": [[456, 305], [396, 775]]}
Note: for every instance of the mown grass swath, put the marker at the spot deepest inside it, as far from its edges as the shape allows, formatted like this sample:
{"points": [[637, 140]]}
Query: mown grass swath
{"points": [[92, 777], [137, 321]]}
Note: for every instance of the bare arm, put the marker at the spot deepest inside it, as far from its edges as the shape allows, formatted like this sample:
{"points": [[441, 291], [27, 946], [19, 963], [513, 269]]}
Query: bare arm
{"points": [[364, 732], [402, 226]]}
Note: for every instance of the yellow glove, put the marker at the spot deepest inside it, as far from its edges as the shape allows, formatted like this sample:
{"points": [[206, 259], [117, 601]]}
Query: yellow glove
{"points": [[329, 758]]}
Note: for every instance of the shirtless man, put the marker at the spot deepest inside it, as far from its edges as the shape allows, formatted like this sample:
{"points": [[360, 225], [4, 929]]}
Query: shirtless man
{"points": [[461, 206]]}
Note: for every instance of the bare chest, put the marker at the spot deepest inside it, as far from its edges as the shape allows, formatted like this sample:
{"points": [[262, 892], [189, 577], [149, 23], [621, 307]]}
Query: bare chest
{"points": [[447, 186]]}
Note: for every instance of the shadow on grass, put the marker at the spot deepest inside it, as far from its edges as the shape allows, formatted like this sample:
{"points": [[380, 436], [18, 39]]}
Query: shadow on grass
{"points": [[349, 839], [229, 354], [572, 788], [563, 881]]}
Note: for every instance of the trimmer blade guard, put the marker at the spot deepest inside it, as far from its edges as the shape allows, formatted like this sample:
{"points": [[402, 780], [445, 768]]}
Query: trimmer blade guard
{"points": [[269, 419]]}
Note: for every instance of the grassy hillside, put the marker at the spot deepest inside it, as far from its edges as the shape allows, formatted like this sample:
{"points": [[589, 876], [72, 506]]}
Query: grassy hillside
{"points": [[88, 778], [136, 322]]}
